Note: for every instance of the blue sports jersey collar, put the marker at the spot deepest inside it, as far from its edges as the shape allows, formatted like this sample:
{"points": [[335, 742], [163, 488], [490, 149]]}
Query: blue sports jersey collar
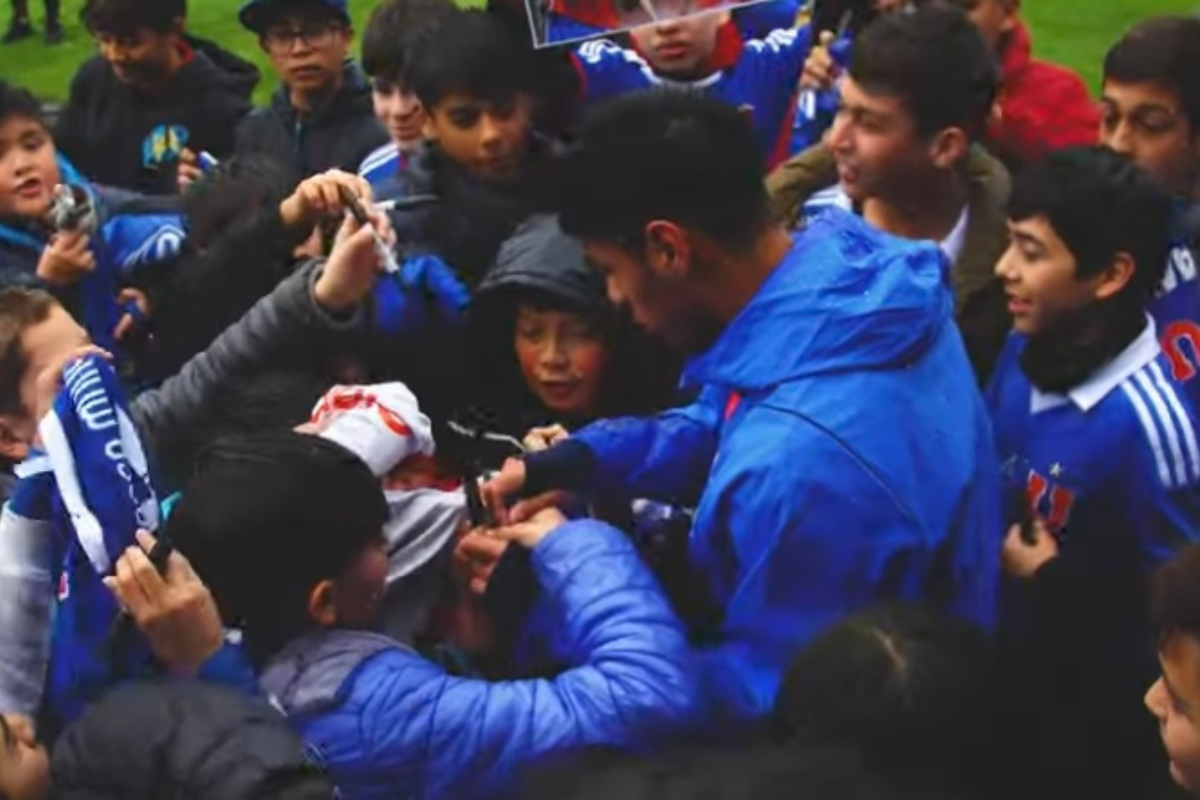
{"points": [[1087, 395]]}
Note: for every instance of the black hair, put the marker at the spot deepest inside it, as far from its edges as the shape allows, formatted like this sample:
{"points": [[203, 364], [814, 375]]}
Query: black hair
{"points": [[17, 101], [934, 60], [1175, 595], [267, 517], [260, 16], [475, 54], [124, 17], [237, 188], [664, 154], [905, 683], [760, 772], [1100, 203], [1164, 51], [395, 32]]}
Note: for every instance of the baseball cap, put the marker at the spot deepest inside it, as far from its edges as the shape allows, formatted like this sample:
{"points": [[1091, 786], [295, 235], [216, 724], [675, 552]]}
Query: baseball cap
{"points": [[258, 14]]}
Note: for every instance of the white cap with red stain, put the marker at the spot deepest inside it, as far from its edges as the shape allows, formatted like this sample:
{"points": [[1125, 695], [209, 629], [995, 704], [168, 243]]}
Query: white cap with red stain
{"points": [[382, 424]]}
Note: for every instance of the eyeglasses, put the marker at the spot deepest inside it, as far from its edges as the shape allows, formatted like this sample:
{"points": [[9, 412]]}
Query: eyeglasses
{"points": [[313, 34]]}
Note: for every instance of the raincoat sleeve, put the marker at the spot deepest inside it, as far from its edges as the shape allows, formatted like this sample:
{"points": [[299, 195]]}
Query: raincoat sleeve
{"points": [[664, 457]]}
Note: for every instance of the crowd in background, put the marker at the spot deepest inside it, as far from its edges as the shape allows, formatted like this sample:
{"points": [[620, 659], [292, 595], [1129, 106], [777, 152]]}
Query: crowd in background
{"points": [[763, 401]]}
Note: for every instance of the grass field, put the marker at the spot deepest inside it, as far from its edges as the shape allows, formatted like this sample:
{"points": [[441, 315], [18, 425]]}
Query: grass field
{"points": [[1074, 32]]}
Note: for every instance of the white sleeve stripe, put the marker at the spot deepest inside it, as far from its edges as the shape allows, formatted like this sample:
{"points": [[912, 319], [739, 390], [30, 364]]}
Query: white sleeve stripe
{"points": [[1164, 472], [1181, 417], [1164, 419]]}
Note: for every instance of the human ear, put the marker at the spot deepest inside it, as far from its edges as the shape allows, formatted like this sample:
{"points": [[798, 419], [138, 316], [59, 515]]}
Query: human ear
{"points": [[667, 250], [1113, 280], [949, 148], [322, 604]]}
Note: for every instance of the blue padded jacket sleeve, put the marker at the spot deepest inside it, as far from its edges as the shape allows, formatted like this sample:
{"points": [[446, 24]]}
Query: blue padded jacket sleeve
{"points": [[632, 682]]}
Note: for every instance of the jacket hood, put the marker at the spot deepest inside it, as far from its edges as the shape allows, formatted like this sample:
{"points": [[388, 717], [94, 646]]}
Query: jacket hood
{"points": [[352, 99], [846, 298], [308, 675], [540, 257], [214, 65]]}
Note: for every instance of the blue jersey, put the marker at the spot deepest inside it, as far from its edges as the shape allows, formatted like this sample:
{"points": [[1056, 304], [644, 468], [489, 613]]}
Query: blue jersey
{"points": [[1176, 311], [762, 80], [381, 165], [1112, 467]]}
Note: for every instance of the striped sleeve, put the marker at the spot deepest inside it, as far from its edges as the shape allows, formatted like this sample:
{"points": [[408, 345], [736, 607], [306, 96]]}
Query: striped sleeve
{"points": [[1168, 425]]}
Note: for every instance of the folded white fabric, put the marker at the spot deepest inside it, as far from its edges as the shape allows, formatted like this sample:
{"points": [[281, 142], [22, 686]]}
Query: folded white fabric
{"points": [[382, 424]]}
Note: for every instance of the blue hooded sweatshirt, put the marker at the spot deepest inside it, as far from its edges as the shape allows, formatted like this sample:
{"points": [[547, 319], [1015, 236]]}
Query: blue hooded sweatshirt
{"points": [[134, 233], [840, 449]]}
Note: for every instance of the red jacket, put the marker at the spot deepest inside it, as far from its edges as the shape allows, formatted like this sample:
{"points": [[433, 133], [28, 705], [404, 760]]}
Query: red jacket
{"points": [[1042, 106]]}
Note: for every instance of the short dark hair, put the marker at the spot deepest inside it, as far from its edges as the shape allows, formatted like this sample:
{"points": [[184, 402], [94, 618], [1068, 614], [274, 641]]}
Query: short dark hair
{"points": [[476, 54], [664, 154], [903, 682], [123, 17], [20, 309], [266, 518], [237, 188], [395, 32], [1164, 51], [1100, 203], [1175, 595], [17, 101], [935, 61]]}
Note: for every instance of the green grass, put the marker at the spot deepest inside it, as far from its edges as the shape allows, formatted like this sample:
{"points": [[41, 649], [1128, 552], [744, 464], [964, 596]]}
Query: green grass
{"points": [[1073, 32]]}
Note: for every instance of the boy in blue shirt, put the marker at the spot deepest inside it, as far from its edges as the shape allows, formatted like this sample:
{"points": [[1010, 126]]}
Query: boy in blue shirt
{"points": [[704, 52], [1151, 109], [1099, 445], [393, 33]]}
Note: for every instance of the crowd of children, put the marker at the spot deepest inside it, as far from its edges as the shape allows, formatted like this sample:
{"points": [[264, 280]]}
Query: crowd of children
{"points": [[754, 405]]}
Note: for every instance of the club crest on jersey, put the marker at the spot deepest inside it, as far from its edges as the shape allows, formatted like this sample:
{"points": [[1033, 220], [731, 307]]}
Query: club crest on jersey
{"points": [[1050, 500]]}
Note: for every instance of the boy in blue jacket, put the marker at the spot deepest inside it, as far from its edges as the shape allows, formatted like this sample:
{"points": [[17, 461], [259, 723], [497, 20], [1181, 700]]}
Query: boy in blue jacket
{"points": [[85, 270], [286, 529], [816, 496], [1099, 445]]}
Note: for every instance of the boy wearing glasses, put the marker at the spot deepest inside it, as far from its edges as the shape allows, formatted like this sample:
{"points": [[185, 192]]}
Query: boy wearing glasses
{"points": [[322, 113]]}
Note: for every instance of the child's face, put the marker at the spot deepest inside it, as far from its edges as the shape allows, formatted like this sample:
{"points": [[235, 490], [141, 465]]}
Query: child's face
{"points": [[563, 359], [489, 140], [400, 111], [1039, 276], [43, 345], [1175, 700], [307, 51], [144, 58], [1146, 122], [24, 764], [679, 47], [875, 142], [28, 169]]}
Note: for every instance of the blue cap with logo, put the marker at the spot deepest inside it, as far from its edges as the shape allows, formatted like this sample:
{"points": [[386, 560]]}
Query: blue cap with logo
{"points": [[258, 14]]}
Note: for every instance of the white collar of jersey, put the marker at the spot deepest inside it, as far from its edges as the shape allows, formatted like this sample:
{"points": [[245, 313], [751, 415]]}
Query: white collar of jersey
{"points": [[1087, 395]]}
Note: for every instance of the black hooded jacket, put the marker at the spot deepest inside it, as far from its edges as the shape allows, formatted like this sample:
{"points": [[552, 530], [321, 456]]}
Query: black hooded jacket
{"points": [[338, 136], [119, 136], [182, 739], [540, 261]]}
